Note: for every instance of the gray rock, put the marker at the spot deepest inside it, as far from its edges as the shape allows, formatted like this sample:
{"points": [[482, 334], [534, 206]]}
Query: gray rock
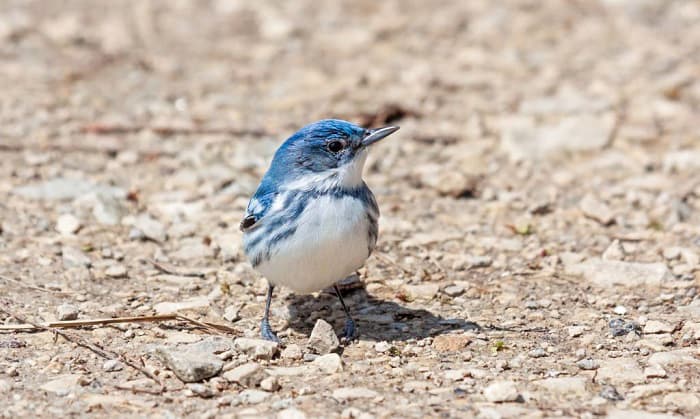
{"points": [[588, 364], [73, 258], [537, 353], [151, 228], [610, 392], [201, 390], [606, 273], [247, 375], [256, 348], [596, 209], [108, 209], [329, 363], [67, 312], [353, 393], [112, 365], [323, 339], [501, 391], [454, 290], [676, 357], [190, 366], [67, 224], [250, 396]]}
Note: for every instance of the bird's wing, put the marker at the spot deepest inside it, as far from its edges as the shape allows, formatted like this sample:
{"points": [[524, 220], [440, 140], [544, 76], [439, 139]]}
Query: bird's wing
{"points": [[258, 206]]}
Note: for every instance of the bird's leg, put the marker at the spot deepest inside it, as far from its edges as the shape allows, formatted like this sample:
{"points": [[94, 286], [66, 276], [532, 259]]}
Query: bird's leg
{"points": [[349, 332], [265, 329]]}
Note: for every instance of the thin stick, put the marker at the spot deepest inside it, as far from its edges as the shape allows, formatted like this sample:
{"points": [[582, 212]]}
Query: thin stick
{"points": [[172, 270], [33, 287]]}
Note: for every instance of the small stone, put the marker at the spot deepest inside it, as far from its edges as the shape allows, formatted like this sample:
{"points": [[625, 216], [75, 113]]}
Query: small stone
{"points": [[575, 331], [323, 339], [654, 371], [620, 371], [597, 210], [67, 224], [67, 312], [537, 353], [607, 273], [610, 393], [329, 363], [450, 342], [656, 326], [674, 358], [382, 346], [501, 391], [614, 251], [672, 253], [455, 375], [353, 393], [169, 307], [201, 390], [620, 310], [248, 375], [63, 385], [107, 209], [250, 396], [454, 290], [5, 386], [74, 258], [116, 271], [190, 366], [151, 228], [588, 364], [564, 385], [112, 365], [257, 348], [231, 314], [291, 413], [292, 351], [422, 291], [270, 384]]}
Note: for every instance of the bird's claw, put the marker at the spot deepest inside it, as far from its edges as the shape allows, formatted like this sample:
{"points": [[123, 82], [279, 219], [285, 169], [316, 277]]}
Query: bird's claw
{"points": [[267, 333], [349, 333]]}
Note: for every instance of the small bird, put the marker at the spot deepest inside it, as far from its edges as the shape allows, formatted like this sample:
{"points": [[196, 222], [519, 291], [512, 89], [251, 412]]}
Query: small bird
{"points": [[313, 221]]}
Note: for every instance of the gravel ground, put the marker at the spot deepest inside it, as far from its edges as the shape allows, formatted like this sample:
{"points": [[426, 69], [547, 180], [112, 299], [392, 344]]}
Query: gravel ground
{"points": [[539, 242]]}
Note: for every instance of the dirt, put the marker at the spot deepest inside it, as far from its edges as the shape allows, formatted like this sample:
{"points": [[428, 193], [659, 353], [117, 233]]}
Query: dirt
{"points": [[539, 237]]}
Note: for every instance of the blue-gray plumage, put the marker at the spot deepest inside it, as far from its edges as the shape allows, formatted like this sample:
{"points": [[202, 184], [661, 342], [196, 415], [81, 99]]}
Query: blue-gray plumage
{"points": [[313, 220]]}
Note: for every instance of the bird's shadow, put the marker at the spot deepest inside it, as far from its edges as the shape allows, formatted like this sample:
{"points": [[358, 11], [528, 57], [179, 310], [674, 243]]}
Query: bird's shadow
{"points": [[376, 319]]}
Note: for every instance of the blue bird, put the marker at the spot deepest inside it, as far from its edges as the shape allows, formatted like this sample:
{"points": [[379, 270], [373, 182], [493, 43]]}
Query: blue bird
{"points": [[313, 221]]}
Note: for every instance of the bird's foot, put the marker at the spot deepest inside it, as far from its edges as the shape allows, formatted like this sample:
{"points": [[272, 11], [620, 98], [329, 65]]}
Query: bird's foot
{"points": [[266, 331], [349, 333]]}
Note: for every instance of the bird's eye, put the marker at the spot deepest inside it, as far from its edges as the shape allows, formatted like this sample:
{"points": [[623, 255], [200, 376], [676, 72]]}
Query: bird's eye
{"points": [[335, 146]]}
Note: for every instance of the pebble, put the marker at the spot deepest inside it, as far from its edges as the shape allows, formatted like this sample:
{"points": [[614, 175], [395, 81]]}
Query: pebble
{"points": [[620, 371], [596, 209], [501, 391], [256, 348], [620, 310], [190, 366], [67, 224], [201, 390], [292, 351], [116, 271], [270, 384], [537, 353], [62, 385], [329, 363], [231, 314], [575, 331], [450, 342], [656, 326], [654, 371], [112, 365], [610, 393], [107, 209], [74, 258], [614, 251], [353, 393], [248, 375], [564, 385], [382, 346], [67, 312], [151, 228], [454, 290], [169, 307], [422, 291], [323, 339], [251, 396], [291, 413], [588, 364]]}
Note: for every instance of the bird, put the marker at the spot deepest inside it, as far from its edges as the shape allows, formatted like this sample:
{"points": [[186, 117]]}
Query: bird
{"points": [[313, 221]]}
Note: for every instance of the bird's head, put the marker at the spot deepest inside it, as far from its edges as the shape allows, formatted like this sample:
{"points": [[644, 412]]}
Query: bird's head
{"points": [[326, 148]]}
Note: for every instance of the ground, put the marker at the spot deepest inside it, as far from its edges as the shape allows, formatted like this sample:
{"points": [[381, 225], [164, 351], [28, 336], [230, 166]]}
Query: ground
{"points": [[539, 238]]}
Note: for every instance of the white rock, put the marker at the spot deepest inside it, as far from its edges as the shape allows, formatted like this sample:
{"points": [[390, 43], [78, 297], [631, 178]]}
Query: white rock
{"points": [[675, 358], [422, 291], [67, 312], [292, 351], [291, 413], [250, 396], [614, 251], [231, 314], [686, 401], [620, 371], [575, 386], [382, 346], [606, 273], [116, 271], [151, 228], [656, 326], [597, 210], [62, 385], [621, 310], [352, 393], [270, 384], [168, 307], [329, 363], [654, 371], [257, 348], [455, 375], [74, 258], [67, 224], [575, 331], [190, 366], [323, 339], [112, 365], [501, 391], [247, 375]]}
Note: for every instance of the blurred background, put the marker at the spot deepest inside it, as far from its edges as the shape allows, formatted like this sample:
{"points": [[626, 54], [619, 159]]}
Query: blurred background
{"points": [[534, 135]]}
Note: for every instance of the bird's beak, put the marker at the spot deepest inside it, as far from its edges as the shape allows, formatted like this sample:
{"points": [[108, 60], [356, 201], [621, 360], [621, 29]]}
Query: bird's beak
{"points": [[374, 135]]}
